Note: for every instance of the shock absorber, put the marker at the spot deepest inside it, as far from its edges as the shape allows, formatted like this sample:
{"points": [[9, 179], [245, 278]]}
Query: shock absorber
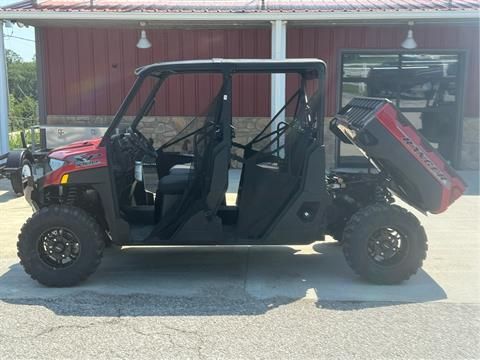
{"points": [[382, 194], [71, 195]]}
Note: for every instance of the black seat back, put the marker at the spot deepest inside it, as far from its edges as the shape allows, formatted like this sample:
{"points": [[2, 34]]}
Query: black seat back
{"points": [[266, 189], [209, 146]]}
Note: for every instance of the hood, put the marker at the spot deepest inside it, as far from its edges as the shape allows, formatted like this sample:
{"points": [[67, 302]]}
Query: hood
{"points": [[75, 148]]}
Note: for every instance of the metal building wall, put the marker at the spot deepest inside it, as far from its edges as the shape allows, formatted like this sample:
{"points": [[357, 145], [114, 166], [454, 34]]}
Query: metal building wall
{"points": [[88, 71], [327, 42]]}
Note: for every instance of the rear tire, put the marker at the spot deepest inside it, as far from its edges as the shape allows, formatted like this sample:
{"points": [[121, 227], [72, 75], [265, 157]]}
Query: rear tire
{"points": [[17, 178], [60, 245], [384, 244]]}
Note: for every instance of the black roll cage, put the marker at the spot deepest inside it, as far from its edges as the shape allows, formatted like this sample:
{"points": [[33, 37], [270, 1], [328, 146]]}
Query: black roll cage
{"points": [[309, 69]]}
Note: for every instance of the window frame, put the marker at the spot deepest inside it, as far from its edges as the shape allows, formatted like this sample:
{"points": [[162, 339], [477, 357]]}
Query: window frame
{"points": [[462, 62]]}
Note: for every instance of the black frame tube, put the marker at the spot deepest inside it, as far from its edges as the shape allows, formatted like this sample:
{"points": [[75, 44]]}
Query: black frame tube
{"points": [[307, 68]]}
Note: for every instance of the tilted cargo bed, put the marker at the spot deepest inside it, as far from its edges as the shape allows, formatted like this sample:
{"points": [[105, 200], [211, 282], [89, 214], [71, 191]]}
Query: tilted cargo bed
{"points": [[417, 172]]}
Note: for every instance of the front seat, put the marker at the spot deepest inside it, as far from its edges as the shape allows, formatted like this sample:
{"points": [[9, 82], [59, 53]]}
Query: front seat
{"points": [[176, 181]]}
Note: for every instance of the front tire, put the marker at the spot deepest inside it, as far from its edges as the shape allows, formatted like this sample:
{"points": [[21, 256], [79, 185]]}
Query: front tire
{"points": [[60, 245], [384, 244]]}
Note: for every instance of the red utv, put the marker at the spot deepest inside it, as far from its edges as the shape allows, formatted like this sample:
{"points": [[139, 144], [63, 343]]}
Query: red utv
{"points": [[123, 189]]}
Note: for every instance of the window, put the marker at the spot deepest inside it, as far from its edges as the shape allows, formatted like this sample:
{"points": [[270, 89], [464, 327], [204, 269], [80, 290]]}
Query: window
{"points": [[424, 85]]}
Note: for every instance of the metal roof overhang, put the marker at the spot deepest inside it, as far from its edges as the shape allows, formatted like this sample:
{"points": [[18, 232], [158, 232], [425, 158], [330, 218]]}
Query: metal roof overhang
{"points": [[202, 19]]}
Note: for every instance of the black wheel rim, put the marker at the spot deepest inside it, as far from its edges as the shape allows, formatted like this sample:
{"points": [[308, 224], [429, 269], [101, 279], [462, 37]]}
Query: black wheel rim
{"points": [[58, 247], [387, 246]]}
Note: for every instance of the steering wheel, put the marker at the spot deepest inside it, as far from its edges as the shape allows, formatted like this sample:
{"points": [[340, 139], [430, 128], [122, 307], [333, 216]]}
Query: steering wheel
{"points": [[140, 141]]}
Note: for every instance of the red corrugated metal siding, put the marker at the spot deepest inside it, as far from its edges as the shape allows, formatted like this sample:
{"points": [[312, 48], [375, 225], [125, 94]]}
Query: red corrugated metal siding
{"points": [[89, 71], [327, 42]]}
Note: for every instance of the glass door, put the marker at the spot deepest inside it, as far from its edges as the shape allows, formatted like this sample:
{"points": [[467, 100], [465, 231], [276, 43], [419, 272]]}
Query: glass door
{"points": [[424, 85]]}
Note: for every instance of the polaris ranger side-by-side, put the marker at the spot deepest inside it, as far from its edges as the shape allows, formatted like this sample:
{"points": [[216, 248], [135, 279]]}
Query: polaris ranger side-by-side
{"points": [[125, 189]]}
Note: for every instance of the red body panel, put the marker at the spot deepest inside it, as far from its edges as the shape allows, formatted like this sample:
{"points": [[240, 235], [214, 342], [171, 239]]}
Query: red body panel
{"points": [[75, 148], [78, 156], [415, 171], [452, 187]]}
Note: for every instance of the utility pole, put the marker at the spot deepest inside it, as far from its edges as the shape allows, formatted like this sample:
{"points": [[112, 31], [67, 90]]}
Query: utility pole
{"points": [[3, 96]]}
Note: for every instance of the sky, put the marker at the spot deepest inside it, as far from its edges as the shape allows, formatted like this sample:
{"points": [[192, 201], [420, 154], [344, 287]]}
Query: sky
{"points": [[25, 46]]}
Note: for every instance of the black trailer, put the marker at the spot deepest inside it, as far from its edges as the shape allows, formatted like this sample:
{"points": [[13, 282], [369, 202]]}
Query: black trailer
{"points": [[17, 165]]}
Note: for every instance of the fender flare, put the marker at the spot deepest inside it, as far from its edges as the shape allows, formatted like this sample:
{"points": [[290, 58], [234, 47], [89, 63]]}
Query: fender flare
{"points": [[15, 159]]}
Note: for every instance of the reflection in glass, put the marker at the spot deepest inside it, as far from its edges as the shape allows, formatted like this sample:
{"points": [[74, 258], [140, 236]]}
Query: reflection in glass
{"points": [[423, 86], [428, 80]]}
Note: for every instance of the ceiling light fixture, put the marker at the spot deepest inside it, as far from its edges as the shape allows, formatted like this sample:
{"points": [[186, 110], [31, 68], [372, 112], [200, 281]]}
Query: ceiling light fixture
{"points": [[409, 42], [143, 42]]}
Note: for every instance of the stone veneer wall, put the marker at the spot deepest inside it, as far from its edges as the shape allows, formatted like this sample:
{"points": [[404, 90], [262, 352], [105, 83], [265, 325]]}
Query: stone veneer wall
{"points": [[470, 151], [165, 127], [79, 120], [329, 140]]}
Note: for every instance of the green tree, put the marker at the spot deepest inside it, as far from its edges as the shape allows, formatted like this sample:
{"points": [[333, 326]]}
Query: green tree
{"points": [[22, 84], [12, 57], [22, 112], [22, 76]]}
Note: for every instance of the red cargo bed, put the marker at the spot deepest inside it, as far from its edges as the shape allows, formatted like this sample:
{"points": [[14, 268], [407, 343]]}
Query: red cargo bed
{"points": [[416, 171]]}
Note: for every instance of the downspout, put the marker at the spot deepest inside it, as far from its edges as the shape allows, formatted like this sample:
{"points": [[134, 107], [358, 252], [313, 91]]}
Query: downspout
{"points": [[279, 52], [42, 101], [3, 96]]}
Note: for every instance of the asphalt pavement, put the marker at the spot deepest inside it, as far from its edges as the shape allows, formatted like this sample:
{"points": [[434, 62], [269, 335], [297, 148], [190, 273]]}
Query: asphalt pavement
{"points": [[299, 302]]}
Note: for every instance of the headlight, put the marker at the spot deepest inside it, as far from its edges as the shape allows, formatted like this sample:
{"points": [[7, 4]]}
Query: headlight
{"points": [[55, 163]]}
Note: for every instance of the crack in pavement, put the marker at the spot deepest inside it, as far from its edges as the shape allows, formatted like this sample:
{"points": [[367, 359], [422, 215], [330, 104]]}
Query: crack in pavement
{"points": [[200, 337]]}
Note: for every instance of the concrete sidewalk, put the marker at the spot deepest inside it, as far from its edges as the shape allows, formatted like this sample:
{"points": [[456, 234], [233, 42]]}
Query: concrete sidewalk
{"points": [[244, 302], [319, 272]]}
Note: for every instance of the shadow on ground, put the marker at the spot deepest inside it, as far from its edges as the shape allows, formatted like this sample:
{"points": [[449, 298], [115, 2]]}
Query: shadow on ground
{"points": [[203, 281], [6, 192], [6, 196]]}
